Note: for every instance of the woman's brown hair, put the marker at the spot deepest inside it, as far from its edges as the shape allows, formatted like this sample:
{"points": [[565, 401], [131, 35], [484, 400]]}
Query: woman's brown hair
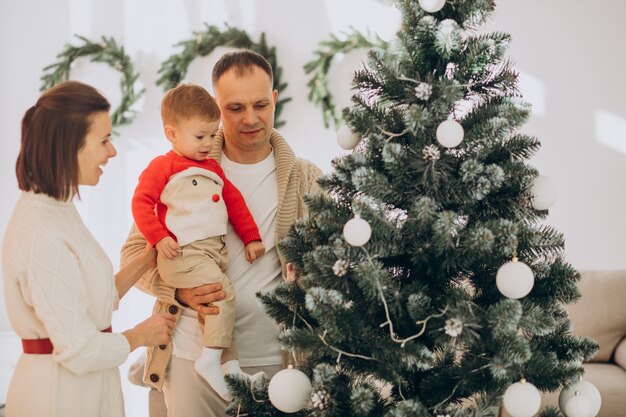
{"points": [[53, 131]]}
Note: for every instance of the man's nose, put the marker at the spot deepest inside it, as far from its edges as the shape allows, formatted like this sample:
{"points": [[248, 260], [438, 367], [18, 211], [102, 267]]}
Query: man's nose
{"points": [[250, 117]]}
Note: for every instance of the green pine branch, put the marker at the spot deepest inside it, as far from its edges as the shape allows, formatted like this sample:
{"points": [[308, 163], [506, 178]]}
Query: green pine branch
{"points": [[319, 94], [108, 52]]}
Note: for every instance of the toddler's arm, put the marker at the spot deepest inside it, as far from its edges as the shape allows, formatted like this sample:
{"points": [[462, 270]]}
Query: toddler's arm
{"points": [[168, 247]]}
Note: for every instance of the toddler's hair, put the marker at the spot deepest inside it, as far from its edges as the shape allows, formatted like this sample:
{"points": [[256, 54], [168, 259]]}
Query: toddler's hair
{"points": [[187, 101]]}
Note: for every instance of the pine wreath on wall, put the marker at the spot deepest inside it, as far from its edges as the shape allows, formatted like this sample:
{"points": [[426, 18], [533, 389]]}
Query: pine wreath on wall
{"points": [[319, 93], [174, 69], [108, 52]]}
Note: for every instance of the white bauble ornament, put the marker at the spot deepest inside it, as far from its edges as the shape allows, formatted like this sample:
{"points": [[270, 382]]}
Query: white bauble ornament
{"points": [[522, 399], [515, 279], [587, 390], [544, 192], [577, 406], [432, 6], [346, 138], [449, 133], [357, 231], [289, 390]]}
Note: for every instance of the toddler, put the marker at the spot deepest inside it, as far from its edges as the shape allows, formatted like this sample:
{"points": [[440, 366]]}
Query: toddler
{"points": [[182, 205]]}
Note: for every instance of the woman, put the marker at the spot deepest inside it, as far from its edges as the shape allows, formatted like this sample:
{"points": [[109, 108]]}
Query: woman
{"points": [[58, 282]]}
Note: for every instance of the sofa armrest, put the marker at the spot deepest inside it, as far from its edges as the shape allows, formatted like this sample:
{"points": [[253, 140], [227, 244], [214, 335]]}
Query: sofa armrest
{"points": [[600, 313], [619, 356]]}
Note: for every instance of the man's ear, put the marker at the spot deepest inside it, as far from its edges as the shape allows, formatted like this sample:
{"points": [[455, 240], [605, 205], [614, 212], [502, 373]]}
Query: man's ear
{"points": [[170, 133], [275, 95]]}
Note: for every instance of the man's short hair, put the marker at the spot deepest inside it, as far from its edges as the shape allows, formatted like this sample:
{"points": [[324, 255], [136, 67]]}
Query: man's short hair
{"points": [[243, 61], [188, 101]]}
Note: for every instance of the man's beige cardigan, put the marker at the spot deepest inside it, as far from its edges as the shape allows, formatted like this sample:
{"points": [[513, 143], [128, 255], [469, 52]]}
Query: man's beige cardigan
{"points": [[296, 177]]}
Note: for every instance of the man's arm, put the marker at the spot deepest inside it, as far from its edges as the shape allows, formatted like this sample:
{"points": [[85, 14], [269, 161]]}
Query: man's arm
{"points": [[310, 173], [150, 282]]}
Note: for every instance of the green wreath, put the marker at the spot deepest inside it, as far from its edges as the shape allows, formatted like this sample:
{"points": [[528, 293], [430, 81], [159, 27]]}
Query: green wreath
{"points": [[108, 52], [319, 94], [174, 69]]}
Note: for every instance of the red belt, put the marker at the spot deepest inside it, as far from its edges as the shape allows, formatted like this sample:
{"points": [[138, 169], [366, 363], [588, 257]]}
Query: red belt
{"points": [[43, 346]]}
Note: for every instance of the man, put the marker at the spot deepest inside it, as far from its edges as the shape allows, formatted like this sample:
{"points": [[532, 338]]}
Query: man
{"points": [[259, 162]]}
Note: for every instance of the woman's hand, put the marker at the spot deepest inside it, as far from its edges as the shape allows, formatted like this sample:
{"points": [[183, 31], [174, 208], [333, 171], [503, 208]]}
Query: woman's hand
{"points": [[155, 330], [200, 298]]}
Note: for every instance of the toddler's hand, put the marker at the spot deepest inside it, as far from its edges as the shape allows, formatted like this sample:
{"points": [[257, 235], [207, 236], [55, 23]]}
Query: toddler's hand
{"points": [[254, 250], [168, 247]]}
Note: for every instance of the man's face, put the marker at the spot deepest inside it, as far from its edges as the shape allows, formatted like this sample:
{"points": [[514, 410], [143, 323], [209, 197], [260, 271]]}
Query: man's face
{"points": [[247, 104]]}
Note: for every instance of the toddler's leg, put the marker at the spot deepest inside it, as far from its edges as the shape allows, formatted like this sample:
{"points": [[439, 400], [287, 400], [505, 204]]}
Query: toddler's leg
{"points": [[217, 329], [209, 368], [231, 363], [232, 367], [217, 334]]}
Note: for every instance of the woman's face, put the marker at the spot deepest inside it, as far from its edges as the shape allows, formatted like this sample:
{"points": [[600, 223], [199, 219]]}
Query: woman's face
{"points": [[97, 149]]}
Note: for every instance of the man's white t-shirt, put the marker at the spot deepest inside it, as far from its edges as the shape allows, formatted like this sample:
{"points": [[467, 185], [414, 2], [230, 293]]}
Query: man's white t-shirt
{"points": [[256, 334]]}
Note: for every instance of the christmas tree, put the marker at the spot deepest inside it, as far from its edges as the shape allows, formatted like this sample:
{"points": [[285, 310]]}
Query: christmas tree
{"points": [[426, 281]]}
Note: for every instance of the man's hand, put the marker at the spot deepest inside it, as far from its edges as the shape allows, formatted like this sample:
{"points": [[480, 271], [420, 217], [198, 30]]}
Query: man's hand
{"points": [[150, 256], [254, 250], [200, 297], [168, 247]]}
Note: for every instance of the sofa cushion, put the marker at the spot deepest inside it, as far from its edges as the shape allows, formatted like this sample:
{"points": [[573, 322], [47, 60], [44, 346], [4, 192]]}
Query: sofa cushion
{"points": [[600, 313], [611, 382]]}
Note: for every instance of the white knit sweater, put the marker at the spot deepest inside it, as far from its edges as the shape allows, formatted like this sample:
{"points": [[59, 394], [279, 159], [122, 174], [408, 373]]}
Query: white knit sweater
{"points": [[58, 283]]}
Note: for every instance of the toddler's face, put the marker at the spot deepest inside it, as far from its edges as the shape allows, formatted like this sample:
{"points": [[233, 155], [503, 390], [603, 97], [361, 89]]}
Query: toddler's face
{"points": [[194, 138]]}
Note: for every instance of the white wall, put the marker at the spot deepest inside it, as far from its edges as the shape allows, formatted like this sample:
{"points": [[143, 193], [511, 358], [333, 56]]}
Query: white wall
{"points": [[573, 52], [33, 32], [579, 110]]}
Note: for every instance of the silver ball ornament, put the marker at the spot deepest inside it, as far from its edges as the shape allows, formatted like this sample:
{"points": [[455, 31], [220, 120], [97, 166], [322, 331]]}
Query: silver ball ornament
{"points": [[515, 279], [432, 6], [289, 390], [449, 133], [544, 192], [346, 138], [577, 406], [522, 399], [586, 390], [357, 231]]}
